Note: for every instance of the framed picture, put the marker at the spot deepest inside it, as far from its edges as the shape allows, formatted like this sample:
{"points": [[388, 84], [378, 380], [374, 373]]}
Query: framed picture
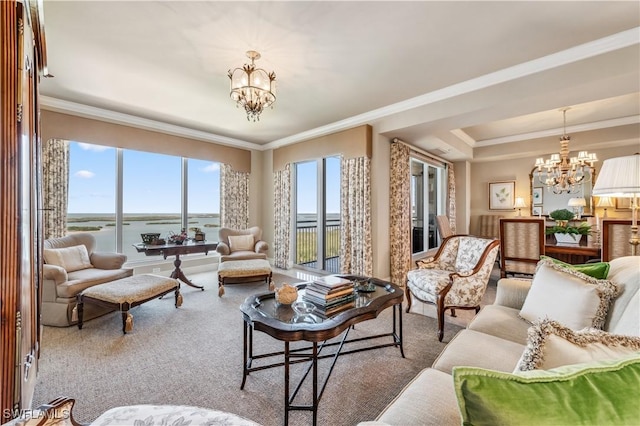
{"points": [[623, 204], [502, 195], [536, 196], [536, 211]]}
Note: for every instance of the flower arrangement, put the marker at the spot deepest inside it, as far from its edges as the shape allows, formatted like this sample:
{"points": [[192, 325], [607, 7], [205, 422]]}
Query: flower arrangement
{"points": [[178, 238], [562, 218]]}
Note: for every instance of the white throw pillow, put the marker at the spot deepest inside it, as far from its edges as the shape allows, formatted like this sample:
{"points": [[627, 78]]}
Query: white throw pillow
{"points": [[552, 345], [241, 242], [570, 297], [70, 258]]}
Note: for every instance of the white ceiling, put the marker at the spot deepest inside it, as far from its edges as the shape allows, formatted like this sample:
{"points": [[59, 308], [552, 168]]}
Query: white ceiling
{"points": [[450, 77]]}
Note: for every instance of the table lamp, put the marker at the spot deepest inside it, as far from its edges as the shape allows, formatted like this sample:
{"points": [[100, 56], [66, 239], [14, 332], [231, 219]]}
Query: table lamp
{"points": [[620, 177], [519, 204], [578, 204], [604, 202]]}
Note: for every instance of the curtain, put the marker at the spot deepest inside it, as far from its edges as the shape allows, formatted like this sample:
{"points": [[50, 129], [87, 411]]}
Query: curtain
{"points": [[282, 217], [451, 209], [55, 191], [234, 198], [400, 213], [355, 216]]}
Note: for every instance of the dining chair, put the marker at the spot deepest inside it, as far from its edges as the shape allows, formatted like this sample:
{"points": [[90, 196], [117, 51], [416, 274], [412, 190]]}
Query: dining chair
{"points": [[616, 234], [522, 243]]}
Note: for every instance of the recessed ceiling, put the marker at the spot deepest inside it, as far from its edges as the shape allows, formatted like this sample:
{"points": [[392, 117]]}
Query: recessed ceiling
{"points": [[444, 75]]}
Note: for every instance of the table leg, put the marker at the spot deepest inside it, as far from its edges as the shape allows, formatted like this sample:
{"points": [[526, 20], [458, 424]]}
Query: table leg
{"points": [[179, 275], [315, 383], [286, 383]]}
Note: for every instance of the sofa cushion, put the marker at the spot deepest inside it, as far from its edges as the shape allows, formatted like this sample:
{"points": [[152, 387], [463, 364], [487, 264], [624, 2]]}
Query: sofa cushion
{"points": [[428, 399], [241, 242], [169, 415], [624, 315], [568, 296], [71, 258], [598, 270], [551, 345], [471, 347], [425, 284], [501, 321], [85, 278], [587, 394]]}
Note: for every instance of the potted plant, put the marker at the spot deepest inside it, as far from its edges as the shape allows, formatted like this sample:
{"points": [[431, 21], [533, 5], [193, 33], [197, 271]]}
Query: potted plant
{"points": [[564, 232]]}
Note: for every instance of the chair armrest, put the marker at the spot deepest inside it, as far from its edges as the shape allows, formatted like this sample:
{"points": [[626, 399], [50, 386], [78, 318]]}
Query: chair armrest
{"points": [[511, 292], [106, 260], [261, 247], [55, 273], [223, 248]]}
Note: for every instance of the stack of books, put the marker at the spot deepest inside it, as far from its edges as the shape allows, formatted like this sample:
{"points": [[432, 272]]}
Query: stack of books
{"points": [[331, 294]]}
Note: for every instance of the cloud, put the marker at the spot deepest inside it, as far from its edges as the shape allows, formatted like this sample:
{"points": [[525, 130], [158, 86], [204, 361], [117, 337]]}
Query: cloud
{"points": [[211, 168], [90, 147], [84, 174]]}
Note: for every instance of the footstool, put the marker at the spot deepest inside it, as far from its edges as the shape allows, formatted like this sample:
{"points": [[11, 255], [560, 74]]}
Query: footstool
{"points": [[126, 293], [236, 271]]}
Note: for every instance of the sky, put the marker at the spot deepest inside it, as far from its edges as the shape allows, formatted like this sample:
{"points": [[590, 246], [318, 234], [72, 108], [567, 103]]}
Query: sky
{"points": [[151, 182]]}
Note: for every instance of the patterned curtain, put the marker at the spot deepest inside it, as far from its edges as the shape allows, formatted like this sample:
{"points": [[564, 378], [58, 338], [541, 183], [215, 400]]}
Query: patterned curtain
{"points": [[400, 213], [55, 191], [234, 198], [282, 217], [355, 216], [452, 198]]}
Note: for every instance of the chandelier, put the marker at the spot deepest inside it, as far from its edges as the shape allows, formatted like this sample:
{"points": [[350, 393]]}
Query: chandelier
{"points": [[562, 174], [252, 88]]}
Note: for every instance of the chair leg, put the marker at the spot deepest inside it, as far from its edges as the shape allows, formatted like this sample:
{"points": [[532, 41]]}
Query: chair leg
{"points": [[407, 292], [453, 312], [477, 309], [440, 324]]}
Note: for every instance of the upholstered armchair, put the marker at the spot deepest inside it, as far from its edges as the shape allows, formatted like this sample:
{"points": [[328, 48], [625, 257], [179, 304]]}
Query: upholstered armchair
{"points": [[241, 244], [72, 265], [455, 278]]}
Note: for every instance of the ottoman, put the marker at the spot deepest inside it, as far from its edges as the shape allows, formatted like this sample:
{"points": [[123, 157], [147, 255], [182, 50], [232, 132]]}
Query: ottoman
{"points": [[126, 293], [235, 271]]}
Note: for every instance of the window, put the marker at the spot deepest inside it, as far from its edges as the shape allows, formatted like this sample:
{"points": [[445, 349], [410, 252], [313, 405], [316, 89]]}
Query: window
{"points": [[428, 197], [160, 193]]}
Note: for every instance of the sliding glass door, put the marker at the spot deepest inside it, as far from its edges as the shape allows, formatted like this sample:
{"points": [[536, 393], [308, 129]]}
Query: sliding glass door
{"points": [[428, 196]]}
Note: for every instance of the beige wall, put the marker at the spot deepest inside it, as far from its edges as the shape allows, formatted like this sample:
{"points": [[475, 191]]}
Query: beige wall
{"points": [[518, 170]]}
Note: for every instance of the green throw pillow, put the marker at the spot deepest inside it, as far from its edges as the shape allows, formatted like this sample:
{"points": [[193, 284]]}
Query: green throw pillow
{"points": [[602, 393], [598, 270]]}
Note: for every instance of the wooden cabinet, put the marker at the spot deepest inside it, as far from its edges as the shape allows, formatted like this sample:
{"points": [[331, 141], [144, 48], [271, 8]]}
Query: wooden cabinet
{"points": [[21, 66]]}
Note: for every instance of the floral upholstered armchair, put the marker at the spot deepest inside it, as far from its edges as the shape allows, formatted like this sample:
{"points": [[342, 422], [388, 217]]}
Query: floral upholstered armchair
{"points": [[456, 277]]}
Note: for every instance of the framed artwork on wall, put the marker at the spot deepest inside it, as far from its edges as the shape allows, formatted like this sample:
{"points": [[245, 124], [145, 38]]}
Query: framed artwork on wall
{"points": [[536, 196], [502, 195], [623, 204], [536, 211]]}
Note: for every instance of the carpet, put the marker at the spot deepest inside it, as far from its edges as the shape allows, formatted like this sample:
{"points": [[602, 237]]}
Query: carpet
{"points": [[193, 356]]}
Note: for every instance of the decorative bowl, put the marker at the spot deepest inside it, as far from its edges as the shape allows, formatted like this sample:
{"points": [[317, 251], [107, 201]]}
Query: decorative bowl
{"points": [[287, 294], [303, 308], [149, 237]]}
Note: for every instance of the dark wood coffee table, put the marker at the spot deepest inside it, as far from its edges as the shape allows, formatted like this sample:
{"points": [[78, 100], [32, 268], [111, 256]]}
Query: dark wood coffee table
{"points": [[262, 313]]}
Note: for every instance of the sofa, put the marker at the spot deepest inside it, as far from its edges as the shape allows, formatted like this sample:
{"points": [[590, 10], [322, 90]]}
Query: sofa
{"points": [[498, 339], [241, 244], [72, 265]]}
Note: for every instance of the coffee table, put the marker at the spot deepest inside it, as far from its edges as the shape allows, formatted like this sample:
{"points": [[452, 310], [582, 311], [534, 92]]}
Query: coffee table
{"points": [[262, 313]]}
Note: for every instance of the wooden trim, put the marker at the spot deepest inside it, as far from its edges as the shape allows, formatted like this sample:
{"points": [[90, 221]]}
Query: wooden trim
{"points": [[606, 234]]}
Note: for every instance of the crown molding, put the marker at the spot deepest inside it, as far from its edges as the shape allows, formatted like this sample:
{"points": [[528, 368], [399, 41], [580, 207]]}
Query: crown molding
{"points": [[591, 49], [86, 111]]}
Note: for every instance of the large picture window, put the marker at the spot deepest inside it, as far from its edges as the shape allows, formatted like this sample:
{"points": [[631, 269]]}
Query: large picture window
{"points": [[158, 193]]}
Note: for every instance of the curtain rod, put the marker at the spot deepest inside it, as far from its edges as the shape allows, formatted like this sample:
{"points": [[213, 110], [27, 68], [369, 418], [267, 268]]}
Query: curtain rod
{"points": [[423, 152]]}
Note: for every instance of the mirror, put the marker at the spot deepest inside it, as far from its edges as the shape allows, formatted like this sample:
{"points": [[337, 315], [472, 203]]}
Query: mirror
{"points": [[544, 201]]}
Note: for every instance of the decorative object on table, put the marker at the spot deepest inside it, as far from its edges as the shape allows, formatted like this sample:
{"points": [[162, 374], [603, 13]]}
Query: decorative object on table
{"points": [[286, 294], [563, 231], [519, 204], [564, 174], [502, 195], [331, 294], [605, 202], [620, 177], [578, 204], [149, 237], [158, 242], [364, 285], [536, 196], [198, 235], [303, 308], [178, 238]]}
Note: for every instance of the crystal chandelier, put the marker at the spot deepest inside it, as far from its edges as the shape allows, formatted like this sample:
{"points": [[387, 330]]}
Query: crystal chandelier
{"points": [[562, 174], [252, 89]]}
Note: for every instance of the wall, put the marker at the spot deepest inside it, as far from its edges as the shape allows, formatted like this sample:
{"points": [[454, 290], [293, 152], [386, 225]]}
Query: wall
{"points": [[518, 170]]}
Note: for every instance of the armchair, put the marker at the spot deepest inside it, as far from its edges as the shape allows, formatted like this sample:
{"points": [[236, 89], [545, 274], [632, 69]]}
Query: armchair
{"points": [[455, 278], [71, 266], [242, 244]]}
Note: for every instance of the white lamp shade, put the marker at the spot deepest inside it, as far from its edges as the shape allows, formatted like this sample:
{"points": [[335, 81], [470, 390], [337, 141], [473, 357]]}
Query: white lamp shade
{"points": [[577, 202], [619, 177], [519, 203], [605, 202]]}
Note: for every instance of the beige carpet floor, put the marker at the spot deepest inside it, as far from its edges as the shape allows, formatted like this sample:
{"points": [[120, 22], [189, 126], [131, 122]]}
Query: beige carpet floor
{"points": [[193, 356]]}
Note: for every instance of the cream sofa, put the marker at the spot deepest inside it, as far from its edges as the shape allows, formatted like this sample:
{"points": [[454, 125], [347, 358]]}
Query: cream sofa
{"points": [[495, 339], [60, 287]]}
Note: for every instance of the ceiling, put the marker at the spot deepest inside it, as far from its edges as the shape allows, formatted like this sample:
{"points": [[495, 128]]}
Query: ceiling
{"points": [[454, 78]]}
